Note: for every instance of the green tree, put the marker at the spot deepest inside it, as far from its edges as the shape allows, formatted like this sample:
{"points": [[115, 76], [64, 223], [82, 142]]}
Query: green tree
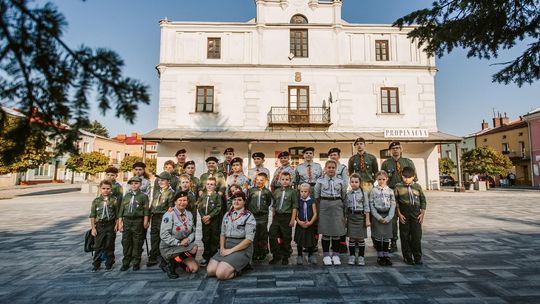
{"points": [[97, 128], [89, 163], [126, 165], [34, 154], [485, 160], [483, 28], [446, 166], [51, 83], [151, 165]]}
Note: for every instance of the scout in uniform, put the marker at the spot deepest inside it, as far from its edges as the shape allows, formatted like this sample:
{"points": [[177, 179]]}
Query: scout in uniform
{"points": [[103, 222], [259, 200], [236, 241], [181, 159], [212, 165], [210, 210], [162, 200], [284, 212], [169, 167], [232, 190], [189, 169], [357, 218], [382, 206], [341, 173], [134, 218], [111, 173], [364, 164], [330, 193], [237, 177], [185, 186], [284, 167], [308, 171], [304, 233], [393, 167], [139, 169], [411, 208], [177, 233], [226, 166], [258, 160]]}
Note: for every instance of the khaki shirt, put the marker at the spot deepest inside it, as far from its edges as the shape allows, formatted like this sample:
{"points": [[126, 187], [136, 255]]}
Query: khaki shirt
{"points": [[285, 200], [330, 187], [104, 210], [162, 200], [173, 229], [239, 224], [134, 205], [302, 173], [357, 200], [371, 167]]}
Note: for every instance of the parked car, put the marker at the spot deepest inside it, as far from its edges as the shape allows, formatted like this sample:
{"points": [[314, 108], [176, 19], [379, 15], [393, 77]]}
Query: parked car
{"points": [[447, 180]]}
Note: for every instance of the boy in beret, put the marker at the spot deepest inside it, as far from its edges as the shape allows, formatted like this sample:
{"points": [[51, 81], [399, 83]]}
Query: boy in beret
{"points": [[364, 164], [139, 169], [226, 166], [237, 176], [285, 166], [181, 156], [111, 173], [308, 171], [221, 183], [258, 160], [189, 169]]}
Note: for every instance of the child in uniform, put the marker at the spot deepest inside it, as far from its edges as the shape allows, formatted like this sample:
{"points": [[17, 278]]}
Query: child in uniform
{"points": [[210, 210], [285, 167], [185, 183], [357, 219], [304, 233], [169, 167], [111, 173], [383, 205], [104, 224], [411, 208], [232, 190], [162, 200], [259, 200], [189, 169], [258, 160], [134, 218], [237, 177], [226, 166], [284, 212]]}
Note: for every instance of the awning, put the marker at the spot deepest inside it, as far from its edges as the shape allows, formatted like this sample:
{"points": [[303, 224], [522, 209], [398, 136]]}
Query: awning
{"points": [[178, 135]]}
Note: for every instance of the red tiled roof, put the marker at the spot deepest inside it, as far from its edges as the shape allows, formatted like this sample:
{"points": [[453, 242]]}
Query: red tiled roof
{"points": [[511, 126], [134, 140]]}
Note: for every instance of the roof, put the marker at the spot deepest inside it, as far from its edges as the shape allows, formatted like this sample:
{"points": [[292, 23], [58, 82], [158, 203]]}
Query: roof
{"points": [[511, 126], [86, 133], [133, 140], [285, 136]]}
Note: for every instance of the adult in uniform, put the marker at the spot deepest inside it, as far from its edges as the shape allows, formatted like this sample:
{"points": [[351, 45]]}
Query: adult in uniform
{"points": [[177, 233], [393, 167], [364, 164], [181, 156], [308, 171], [212, 165], [226, 166], [284, 158], [236, 241]]}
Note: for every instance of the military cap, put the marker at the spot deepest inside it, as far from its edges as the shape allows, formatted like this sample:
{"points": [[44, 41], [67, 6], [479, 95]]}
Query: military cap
{"points": [[258, 154], [283, 154], [231, 150], [180, 194], [189, 162], [359, 139], [165, 175], [181, 151], [212, 158], [334, 150], [239, 194], [135, 179], [237, 160], [394, 144], [308, 149], [139, 165], [111, 170]]}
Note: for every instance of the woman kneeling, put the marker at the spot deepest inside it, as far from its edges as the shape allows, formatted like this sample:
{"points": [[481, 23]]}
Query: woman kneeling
{"points": [[177, 235], [236, 241]]}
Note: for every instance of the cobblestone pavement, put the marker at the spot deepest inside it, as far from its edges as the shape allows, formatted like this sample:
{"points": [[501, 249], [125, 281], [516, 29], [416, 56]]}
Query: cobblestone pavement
{"points": [[478, 248]]}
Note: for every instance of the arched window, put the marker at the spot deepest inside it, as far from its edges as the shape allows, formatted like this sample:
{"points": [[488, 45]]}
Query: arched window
{"points": [[299, 19]]}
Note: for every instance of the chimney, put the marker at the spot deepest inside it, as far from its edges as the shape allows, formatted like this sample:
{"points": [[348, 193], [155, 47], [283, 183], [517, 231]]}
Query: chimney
{"points": [[485, 125], [497, 121], [134, 134], [505, 120], [121, 137]]}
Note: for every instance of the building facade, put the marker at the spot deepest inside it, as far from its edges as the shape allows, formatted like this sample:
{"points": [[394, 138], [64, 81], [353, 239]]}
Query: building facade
{"points": [[533, 120], [135, 146], [297, 75]]}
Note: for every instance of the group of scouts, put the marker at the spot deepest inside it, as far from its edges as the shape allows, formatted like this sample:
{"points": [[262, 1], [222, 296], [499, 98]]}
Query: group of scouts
{"points": [[329, 204]]}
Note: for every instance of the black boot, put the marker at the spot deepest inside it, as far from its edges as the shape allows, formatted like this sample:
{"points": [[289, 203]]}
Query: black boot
{"points": [[162, 264], [171, 271]]}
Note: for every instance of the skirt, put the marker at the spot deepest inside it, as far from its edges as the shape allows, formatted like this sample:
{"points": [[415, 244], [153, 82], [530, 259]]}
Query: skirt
{"points": [[238, 260], [356, 226], [381, 231], [331, 219], [305, 237], [168, 252]]}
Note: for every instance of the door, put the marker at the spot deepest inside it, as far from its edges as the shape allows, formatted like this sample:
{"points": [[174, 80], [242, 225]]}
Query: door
{"points": [[298, 104]]}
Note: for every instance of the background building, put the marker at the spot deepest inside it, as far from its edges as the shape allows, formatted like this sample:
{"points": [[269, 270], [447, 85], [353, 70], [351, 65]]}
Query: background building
{"points": [[533, 120], [134, 145]]}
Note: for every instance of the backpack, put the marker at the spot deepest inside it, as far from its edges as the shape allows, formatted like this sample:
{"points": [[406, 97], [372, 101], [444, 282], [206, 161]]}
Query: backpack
{"points": [[89, 240]]}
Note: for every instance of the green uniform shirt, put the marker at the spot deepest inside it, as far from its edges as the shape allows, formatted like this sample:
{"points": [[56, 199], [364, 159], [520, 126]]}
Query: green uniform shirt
{"points": [[195, 184], [210, 205], [178, 169], [409, 197], [371, 167], [225, 168], [259, 201], [134, 205], [221, 184], [394, 175], [285, 200], [104, 210], [162, 200], [174, 183]]}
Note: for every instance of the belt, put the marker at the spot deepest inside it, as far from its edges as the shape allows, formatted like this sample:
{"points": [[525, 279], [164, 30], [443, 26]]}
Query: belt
{"points": [[133, 217], [355, 211], [105, 222], [330, 198]]}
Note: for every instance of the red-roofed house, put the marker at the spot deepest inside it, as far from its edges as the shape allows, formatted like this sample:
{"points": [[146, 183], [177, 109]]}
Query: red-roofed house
{"points": [[134, 145]]}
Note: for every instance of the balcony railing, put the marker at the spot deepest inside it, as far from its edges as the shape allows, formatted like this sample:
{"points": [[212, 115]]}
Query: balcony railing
{"points": [[309, 117], [523, 154]]}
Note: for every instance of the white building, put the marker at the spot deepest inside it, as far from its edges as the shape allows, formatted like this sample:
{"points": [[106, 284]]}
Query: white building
{"points": [[266, 85]]}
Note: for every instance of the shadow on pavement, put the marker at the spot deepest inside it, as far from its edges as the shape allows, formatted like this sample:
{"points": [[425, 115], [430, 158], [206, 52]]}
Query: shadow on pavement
{"points": [[52, 191]]}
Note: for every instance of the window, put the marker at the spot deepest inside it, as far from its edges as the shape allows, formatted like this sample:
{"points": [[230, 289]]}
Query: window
{"points": [[389, 100], [299, 43], [214, 48], [86, 147], [42, 170], [299, 19], [205, 99], [381, 50], [505, 148], [298, 98], [101, 151]]}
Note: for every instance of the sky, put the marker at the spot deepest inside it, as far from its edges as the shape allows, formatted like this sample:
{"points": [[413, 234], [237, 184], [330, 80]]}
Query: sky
{"points": [[464, 92]]}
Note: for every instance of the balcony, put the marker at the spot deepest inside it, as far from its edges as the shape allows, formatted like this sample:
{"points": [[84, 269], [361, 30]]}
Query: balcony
{"points": [[523, 154], [318, 117]]}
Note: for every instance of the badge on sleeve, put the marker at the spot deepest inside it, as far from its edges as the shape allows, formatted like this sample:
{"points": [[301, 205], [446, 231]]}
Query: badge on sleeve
{"points": [[165, 220]]}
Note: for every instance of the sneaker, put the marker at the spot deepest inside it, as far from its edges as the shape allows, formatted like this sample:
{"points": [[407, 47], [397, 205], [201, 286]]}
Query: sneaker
{"points": [[299, 260], [327, 261], [124, 267], [274, 261], [285, 261], [352, 260], [336, 260], [313, 260], [136, 267], [361, 261], [95, 268], [204, 262]]}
